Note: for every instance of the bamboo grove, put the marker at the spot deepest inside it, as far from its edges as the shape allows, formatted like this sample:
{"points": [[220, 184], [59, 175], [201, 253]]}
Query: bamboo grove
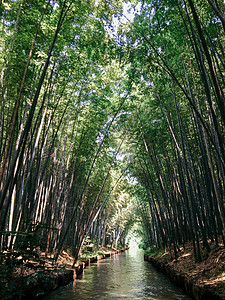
{"points": [[177, 65], [98, 125], [60, 96]]}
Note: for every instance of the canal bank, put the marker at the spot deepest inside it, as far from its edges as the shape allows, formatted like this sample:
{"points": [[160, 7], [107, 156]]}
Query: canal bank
{"points": [[202, 281], [63, 277], [82, 265], [35, 281]]}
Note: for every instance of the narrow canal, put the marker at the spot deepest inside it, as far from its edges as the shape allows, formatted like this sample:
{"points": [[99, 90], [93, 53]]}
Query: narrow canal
{"points": [[123, 276]]}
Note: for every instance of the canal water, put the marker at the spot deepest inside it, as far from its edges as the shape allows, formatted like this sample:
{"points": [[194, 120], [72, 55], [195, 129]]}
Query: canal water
{"points": [[123, 276]]}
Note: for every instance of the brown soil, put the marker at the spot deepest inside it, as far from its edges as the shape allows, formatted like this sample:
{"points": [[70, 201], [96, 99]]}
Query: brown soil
{"points": [[207, 275]]}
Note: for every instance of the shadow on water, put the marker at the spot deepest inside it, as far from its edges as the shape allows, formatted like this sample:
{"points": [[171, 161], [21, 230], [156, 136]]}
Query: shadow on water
{"points": [[123, 276]]}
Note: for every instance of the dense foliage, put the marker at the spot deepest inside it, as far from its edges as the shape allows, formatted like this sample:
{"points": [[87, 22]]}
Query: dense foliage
{"points": [[99, 123]]}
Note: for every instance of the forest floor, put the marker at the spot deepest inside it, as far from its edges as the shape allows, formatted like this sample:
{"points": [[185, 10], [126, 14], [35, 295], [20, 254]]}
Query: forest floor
{"points": [[31, 278], [202, 280]]}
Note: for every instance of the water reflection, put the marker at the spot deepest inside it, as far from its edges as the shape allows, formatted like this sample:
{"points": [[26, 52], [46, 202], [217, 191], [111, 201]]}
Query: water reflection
{"points": [[123, 276]]}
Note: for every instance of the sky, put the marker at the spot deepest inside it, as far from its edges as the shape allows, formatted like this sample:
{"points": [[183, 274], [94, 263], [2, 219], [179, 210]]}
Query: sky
{"points": [[128, 16]]}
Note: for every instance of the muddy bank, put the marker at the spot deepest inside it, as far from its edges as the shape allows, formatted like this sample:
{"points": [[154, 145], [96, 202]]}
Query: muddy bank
{"points": [[45, 280], [201, 281]]}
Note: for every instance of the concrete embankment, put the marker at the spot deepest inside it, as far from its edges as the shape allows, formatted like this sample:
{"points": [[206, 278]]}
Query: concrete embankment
{"points": [[189, 282]]}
